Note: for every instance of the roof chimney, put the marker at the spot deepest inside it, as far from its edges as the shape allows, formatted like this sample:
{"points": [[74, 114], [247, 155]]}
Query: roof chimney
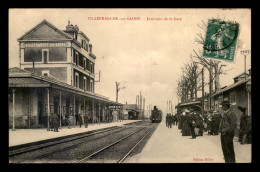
{"points": [[90, 48], [68, 22]]}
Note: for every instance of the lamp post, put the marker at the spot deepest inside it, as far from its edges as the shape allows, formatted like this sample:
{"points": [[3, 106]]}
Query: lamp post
{"points": [[248, 85], [245, 53]]}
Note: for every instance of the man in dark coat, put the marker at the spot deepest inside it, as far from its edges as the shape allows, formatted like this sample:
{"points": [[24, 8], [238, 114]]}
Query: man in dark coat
{"points": [[170, 120], [210, 122], [180, 121], [67, 121], [86, 121], [167, 120], [243, 121], [199, 123], [249, 129], [175, 119], [192, 125], [51, 122], [55, 122], [80, 121], [227, 129], [215, 122], [186, 126], [205, 117]]}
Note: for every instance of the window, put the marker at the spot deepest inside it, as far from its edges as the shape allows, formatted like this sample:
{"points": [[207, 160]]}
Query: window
{"points": [[45, 55], [82, 43], [84, 63], [84, 83], [76, 80], [233, 97], [86, 47], [91, 86], [77, 58], [91, 67], [45, 73]]}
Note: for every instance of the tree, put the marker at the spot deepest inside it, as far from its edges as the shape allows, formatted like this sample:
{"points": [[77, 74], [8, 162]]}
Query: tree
{"points": [[214, 67]]}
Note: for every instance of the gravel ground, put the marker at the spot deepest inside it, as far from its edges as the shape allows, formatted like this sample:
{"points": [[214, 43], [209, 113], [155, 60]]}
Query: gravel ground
{"points": [[75, 150]]}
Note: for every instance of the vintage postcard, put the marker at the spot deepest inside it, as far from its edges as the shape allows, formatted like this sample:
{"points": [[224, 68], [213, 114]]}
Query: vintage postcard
{"points": [[128, 85]]}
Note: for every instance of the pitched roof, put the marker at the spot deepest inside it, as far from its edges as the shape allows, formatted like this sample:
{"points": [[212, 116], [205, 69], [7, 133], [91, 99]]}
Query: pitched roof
{"points": [[17, 70], [131, 106], [50, 25], [233, 86], [188, 103]]}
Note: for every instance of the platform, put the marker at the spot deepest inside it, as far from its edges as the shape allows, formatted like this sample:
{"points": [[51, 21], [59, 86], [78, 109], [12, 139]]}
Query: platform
{"points": [[23, 136]]}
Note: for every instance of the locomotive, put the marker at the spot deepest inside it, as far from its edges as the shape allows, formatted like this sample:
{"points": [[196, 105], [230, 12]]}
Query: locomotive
{"points": [[156, 116]]}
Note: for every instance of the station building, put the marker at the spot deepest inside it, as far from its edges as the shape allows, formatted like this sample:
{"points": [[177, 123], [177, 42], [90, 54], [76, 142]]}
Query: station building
{"points": [[56, 76]]}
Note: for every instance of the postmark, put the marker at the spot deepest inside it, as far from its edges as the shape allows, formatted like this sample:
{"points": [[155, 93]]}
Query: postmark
{"points": [[221, 39]]}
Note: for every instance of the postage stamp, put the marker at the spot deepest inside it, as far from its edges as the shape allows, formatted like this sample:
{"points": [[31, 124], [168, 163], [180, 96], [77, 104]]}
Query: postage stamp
{"points": [[221, 39]]}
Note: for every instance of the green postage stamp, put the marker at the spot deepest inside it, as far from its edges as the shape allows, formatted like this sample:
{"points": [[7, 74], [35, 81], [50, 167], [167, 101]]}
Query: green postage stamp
{"points": [[221, 38]]}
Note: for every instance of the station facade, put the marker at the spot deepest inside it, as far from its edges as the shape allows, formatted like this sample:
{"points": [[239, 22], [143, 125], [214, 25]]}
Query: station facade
{"points": [[56, 76]]}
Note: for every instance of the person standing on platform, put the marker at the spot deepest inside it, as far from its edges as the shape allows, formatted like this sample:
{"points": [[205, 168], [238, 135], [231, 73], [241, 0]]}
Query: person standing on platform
{"points": [[215, 123], [86, 120], [80, 122], [51, 122], [199, 123], [243, 123], [227, 129], [68, 121], [166, 120], [192, 125], [210, 122], [248, 137], [77, 118], [205, 121], [174, 120], [218, 119], [170, 120], [55, 122], [186, 126]]}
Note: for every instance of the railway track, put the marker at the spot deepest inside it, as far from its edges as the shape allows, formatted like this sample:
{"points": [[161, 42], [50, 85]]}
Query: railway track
{"points": [[33, 153], [92, 156], [52, 143]]}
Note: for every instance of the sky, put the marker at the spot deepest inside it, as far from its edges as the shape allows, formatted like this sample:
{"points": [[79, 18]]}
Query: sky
{"points": [[143, 55]]}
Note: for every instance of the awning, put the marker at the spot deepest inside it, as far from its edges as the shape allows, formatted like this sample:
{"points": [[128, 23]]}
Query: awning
{"points": [[27, 82]]}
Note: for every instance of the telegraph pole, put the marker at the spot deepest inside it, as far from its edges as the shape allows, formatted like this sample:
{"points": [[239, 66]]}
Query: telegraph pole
{"points": [[141, 101], [117, 90]]}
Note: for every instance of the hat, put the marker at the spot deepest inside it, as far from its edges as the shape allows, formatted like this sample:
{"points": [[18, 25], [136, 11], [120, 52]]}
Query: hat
{"points": [[225, 103], [186, 110], [242, 109]]}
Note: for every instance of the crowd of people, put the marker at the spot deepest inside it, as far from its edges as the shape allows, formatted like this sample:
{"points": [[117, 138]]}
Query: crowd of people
{"points": [[193, 123]]}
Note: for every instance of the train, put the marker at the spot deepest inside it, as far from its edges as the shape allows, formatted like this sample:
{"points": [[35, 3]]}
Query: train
{"points": [[156, 116]]}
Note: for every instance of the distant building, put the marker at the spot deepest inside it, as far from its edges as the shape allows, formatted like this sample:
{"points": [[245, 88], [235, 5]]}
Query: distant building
{"points": [[133, 111]]}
